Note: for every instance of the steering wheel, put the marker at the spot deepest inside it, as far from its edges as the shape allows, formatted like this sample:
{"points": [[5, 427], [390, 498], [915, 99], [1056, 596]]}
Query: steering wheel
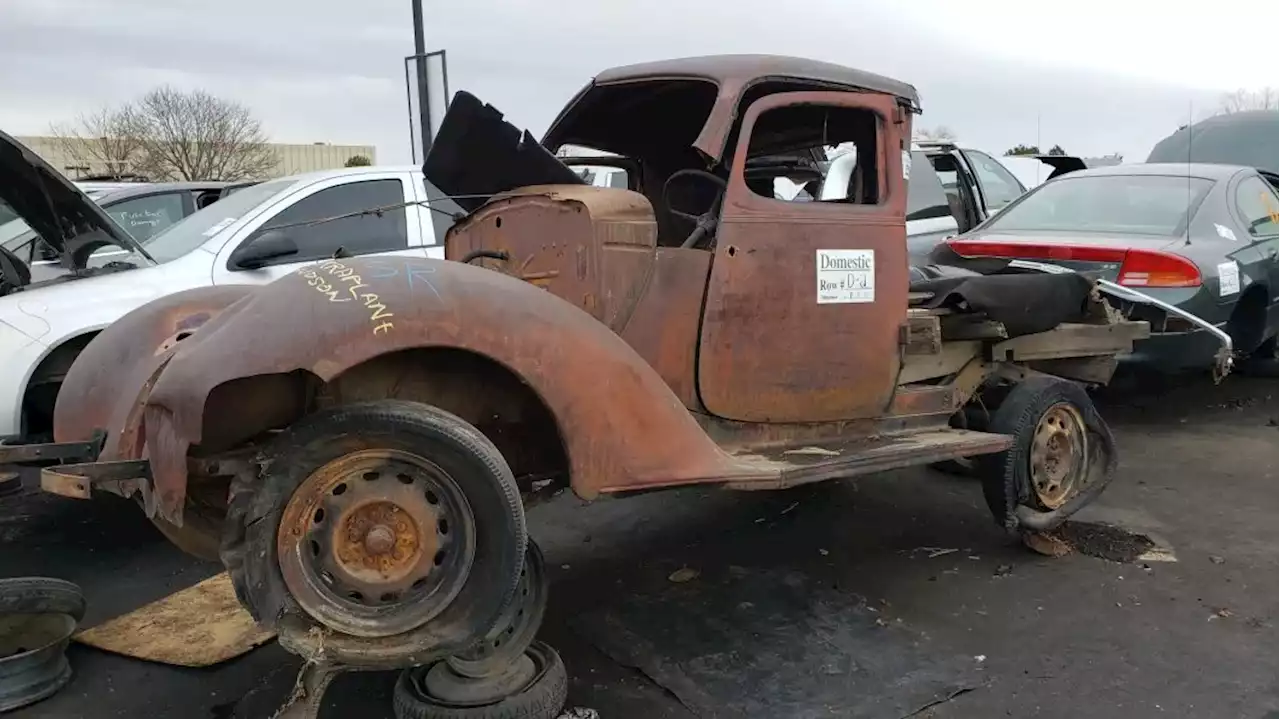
{"points": [[703, 223]]}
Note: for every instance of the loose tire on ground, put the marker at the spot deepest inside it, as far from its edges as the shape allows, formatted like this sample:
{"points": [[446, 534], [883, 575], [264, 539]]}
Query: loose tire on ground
{"points": [[41, 595], [1036, 409], [541, 698], [442, 440]]}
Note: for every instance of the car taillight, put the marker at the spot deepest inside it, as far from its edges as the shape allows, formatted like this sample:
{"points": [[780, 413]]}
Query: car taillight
{"points": [[1138, 268], [1150, 268]]}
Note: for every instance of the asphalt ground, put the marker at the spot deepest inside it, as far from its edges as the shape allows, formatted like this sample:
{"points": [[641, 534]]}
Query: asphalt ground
{"points": [[1102, 632]]}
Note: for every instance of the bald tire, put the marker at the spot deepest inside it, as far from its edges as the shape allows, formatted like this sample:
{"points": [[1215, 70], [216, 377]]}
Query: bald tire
{"points": [[249, 548]]}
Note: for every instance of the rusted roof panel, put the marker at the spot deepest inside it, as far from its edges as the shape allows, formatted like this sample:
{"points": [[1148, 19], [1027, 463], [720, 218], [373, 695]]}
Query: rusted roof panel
{"points": [[734, 69]]}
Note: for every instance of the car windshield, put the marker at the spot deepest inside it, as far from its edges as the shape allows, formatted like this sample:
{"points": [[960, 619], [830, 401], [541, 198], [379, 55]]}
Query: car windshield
{"points": [[1155, 205], [185, 236]]}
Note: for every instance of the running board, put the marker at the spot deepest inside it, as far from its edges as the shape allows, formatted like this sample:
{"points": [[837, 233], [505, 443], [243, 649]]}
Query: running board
{"points": [[795, 465]]}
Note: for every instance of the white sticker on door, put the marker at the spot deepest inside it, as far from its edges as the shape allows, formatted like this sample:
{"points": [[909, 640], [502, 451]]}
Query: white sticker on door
{"points": [[1228, 279], [906, 165], [846, 276], [1225, 232]]}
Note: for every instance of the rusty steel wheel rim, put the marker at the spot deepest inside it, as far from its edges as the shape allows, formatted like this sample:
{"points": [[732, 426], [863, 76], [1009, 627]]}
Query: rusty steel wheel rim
{"points": [[517, 627], [1058, 452], [376, 543]]}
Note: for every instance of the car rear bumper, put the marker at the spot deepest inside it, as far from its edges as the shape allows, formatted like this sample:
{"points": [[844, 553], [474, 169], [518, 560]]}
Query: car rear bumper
{"points": [[1173, 352]]}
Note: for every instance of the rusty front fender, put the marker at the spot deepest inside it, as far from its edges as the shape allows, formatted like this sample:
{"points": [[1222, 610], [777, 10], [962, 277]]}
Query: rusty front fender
{"points": [[106, 384], [621, 425]]}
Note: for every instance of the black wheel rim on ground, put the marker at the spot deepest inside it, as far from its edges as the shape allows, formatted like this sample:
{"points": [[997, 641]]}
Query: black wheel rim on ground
{"points": [[534, 687], [517, 628]]}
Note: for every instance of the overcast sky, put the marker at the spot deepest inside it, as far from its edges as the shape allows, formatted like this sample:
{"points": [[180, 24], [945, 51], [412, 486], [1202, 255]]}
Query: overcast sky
{"points": [[1096, 76]]}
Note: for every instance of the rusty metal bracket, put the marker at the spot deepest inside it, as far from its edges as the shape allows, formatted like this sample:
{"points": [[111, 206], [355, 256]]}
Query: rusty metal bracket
{"points": [[77, 480], [52, 451]]}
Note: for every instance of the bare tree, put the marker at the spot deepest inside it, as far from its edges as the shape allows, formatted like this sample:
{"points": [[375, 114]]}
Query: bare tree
{"points": [[1243, 100], [109, 139], [197, 136], [941, 133]]}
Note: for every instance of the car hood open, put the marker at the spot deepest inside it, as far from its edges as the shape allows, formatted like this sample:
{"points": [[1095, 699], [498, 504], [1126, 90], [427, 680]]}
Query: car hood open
{"points": [[63, 216]]}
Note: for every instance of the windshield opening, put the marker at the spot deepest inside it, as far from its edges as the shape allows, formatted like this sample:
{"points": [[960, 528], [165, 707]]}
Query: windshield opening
{"points": [[182, 237], [1158, 205]]}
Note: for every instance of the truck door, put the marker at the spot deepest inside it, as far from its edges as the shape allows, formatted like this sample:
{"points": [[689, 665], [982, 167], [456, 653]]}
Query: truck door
{"points": [[803, 309]]}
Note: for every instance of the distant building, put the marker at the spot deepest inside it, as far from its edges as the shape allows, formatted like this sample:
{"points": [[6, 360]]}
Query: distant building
{"points": [[293, 159]]}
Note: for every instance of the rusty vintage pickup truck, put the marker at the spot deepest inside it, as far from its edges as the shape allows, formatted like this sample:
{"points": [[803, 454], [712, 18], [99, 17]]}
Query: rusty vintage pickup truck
{"points": [[358, 442]]}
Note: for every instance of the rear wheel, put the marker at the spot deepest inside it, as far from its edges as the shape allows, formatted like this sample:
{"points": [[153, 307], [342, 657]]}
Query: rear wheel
{"points": [[1050, 469], [396, 526]]}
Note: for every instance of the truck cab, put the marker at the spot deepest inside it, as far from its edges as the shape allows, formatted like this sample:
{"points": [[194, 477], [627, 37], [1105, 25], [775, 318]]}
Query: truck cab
{"points": [[706, 217]]}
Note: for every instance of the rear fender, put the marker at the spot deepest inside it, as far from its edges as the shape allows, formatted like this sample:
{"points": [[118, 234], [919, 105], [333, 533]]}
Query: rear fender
{"points": [[621, 425]]}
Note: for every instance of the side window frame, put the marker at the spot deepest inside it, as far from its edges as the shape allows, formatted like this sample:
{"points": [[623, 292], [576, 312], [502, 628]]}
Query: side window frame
{"points": [[740, 194], [250, 230]]}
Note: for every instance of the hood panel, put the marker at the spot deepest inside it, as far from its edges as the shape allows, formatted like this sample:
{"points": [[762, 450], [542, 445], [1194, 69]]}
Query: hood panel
{"points": [[478, 154], [56, 209]]}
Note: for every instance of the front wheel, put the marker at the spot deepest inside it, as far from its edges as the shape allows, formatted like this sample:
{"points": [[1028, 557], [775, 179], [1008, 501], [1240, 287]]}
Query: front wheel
{"points": [[394, 527]]}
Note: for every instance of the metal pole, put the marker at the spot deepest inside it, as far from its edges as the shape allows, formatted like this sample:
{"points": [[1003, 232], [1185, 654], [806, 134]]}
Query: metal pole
{"points": [[408, 104], [420, 61]]}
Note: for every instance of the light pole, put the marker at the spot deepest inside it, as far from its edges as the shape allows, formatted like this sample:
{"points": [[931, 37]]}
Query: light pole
{"points": [[420, 61]]}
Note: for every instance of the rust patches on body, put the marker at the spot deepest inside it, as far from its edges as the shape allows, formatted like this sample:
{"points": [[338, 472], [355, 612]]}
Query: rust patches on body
{"points": [[107, 387], [591, 246], [611, 407]]}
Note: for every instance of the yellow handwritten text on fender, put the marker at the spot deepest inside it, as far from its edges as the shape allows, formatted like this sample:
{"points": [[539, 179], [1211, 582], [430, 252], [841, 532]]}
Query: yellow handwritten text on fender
{"points": [[340, 283]]}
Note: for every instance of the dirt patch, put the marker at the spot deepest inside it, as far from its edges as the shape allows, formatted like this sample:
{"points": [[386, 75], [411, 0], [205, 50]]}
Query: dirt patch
{"points": [[1104, 541]]}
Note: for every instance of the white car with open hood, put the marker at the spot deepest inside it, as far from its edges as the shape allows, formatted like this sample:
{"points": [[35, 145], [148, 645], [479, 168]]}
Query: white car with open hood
{"points": [[253, 236]]}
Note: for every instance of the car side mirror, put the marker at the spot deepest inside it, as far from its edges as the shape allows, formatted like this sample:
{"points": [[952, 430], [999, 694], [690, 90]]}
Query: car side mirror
{"points": [[268, 246]]}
